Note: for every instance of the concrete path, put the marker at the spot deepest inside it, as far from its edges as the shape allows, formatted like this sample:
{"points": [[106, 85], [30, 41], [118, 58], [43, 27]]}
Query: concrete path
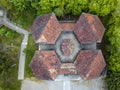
{"points": [[6, 22], [95, 84], [14, 27]]}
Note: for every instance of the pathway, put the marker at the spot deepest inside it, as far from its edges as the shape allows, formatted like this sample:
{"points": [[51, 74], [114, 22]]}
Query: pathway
{"points": [[95, 84], [6, 22]]}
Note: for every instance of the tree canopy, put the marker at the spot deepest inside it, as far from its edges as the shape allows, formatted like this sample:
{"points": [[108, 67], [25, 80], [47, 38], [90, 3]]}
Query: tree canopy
{"points": [[61, 7], [102, 7]]}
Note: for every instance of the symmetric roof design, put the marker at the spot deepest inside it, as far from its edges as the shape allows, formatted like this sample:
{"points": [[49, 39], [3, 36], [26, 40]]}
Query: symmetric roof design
{"points": [[73, 49]]}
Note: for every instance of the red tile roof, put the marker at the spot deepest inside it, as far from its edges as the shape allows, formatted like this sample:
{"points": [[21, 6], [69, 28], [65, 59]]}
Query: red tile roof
{"points": [[67, 71], [67, 25], [46, 64], [90, 63], [46, 29], [89, 28]]}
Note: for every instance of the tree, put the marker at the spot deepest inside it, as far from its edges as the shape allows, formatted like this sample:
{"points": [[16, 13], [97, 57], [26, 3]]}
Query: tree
{"points": [[113, 48], [113, 35], [102, 7], [113, 81]]}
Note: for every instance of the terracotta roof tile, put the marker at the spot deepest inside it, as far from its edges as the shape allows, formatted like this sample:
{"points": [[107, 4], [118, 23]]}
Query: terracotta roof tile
{"points": [[90, 63], [67, 25], [45, 62], [96, 25], [89, 29], [67, 71], [46, 29], [67, 66], [39, 25], [83, 31]]}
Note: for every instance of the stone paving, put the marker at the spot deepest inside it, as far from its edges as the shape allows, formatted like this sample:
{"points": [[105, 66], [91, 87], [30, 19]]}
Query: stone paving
{"points": [[95, 84]]}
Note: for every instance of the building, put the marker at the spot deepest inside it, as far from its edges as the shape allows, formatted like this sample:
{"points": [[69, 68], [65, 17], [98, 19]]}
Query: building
{"points": [[67, 48]]}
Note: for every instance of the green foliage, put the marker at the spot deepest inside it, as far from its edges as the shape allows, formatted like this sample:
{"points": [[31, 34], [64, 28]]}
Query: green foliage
{"points": [[114, 62], [113, 35], [113, 49], [102, 7], [6, 4], [8, 75], [113, 81], [20, 5], [4, 32], [60, 7], [30, 50], [9, 37], [10, 34], [76, 6]]}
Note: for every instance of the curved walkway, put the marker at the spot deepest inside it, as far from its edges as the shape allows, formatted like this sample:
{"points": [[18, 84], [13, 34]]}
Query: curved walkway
{"points": [[6, 22]]}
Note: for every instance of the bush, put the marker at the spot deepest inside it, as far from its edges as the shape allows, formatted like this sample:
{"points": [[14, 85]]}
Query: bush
{"points": [[30, 50], [8, 75], [113, 49], [5, 32], [102, 7], [2, 31], [113, 81], [10, 34], [60, 7], [113, 35]]}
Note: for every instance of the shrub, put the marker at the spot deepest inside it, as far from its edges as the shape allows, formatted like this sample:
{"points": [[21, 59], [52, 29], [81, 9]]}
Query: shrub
{"points": [[102, 7], [113, 81]]}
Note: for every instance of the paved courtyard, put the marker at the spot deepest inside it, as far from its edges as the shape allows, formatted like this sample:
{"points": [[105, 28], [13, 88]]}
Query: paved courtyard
{"points": [[95, 84]]}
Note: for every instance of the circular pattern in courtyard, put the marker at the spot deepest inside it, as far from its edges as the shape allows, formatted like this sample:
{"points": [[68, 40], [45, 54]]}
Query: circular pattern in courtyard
{"points": [[67, 47]]}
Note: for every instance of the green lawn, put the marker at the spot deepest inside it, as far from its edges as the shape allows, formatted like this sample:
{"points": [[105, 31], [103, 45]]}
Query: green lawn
{"points": [[9, 60], [30, 50]]}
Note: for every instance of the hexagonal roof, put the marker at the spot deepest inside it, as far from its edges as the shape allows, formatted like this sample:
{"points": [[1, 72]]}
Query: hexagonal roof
{"points": [[67, 48], [90, 63], [89, 28], [45, 29]]}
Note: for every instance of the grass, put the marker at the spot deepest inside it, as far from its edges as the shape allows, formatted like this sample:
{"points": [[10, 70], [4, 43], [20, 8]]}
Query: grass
{"points": [[9, 80], [30, 50], [15, 39], [12, 42], [25, 19]]}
